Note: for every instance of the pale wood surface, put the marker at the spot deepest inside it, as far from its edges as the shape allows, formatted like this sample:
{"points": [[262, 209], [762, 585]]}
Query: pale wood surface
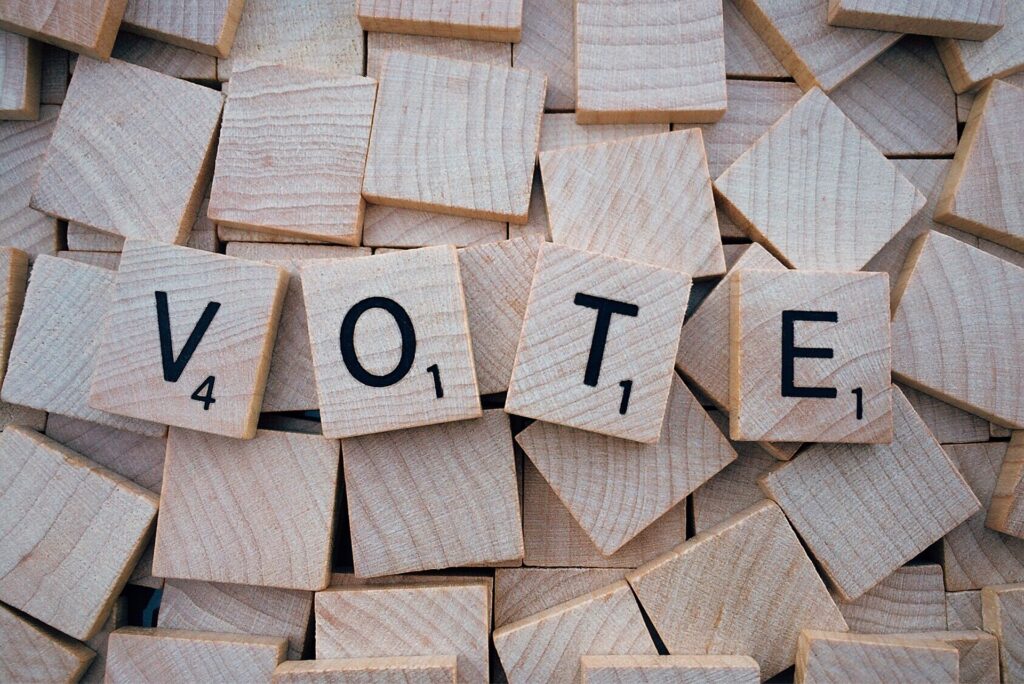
{"points": [[387, 670], [548, 45], [228, 234], [630, 669], [1003, 252], [165, 58], [85, 26], [83, 238], [968, 19], [204, 233], [136, 457], [281, 484], [401, 228], [947, 423], [562, 130], [912, 599], [746, 55], [547, 646], [23, 147], [963, 610], [744, 587], [380, 45], [859, 485], [98, 643], [794, 176], [1006, 512], [837, 657], [970, 63], [107, 260], [979, 652], [142, 575], [495, 20], [1003, 615], [965, 101], [456, 137], [207, 26], [31, 652], [13, 281], [537, 223], [55, 74], [20, 77], [522, 592]]}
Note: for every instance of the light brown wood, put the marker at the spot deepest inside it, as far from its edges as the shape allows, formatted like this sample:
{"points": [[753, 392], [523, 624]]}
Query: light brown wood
{"points": [[13, 279], [85, 26], [207, 27], [561, 130], [228, 234], [970, 20], [495, 20], [522, 592], [380, 45], [1003, 613], [23, 147], [136, 457], [965, 101], [979, 652], [98, 643], [1006, 513], [1003, 252], [970, 63], [548, 45], [142, 575], [82, 238], [947, 423], [712, 669], [745, 587], [395, 227], [165, 58], [388, 670], [746, 55], [204, 233], [912, 599], [537, 224], [963, 610], [837, 657], [20, 77], [29, 652], [107, 260], [860, 485], [54, 76]]}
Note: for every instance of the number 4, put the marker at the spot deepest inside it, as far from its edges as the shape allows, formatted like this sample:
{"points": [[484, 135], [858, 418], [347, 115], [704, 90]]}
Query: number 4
{"points": [[207, 398]]}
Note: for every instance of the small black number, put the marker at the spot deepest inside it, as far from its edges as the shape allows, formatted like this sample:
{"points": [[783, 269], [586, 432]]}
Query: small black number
{"points": [[627, 387], [207, 398], [859, 393], [436, 372]]}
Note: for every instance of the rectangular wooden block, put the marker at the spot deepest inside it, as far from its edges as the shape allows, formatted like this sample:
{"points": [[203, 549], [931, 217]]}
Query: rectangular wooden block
{"points": [[912, 599], [967, 19], [388, 670], [1006, 512], [963, 610], [13, 279], [31, 652], [380, 45], [97, 668], [1002, 609], [394, 227], [107, 260], [837, 657], [23, 147], [746, 54], [496, 20], [85, 26], [612, 669], [139, 458], [522, 592], [547, 45], [82, 238], [207, 27], [971, 63], [20, 77], [166, 58]]}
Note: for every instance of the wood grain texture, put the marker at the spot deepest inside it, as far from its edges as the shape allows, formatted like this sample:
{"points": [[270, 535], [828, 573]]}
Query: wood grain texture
{"points": [[167, 59], [562, 130], [547, 646], [912, 599], [745, 587], [971, 64], [649, 62], [965, 101], [978, 651], [201, 25], [837, 657], [547, 45], [85, 26], [228, 234], [963, 610], [947, 423], [29, 652], [23, 147], [403, 228], [83, 238], [646, 198], [746, 55], [862, 486], [948, 340], [204, 233], [1003, 252], [388, 670], [970, 20], [522, 592], [54, 75], [153, 191], [495, 20], [155, 655], [71, 532], [117, 618], [406, 621], [107, 260], [1003, 615], [13, 281], [20, 77], [131, 377], [793, 177], [479, 123], [1006, 512], [380, 45], [136, 457], [710, 669]]}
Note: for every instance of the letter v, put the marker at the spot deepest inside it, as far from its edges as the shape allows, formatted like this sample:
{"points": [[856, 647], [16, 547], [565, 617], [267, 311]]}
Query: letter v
{"points": [[174, 367]]}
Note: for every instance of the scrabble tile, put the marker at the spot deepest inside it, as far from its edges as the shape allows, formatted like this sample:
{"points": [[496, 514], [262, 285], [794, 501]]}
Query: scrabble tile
{"points": [[649, 62], [547, 646], [965, 101], [82, 516], [823, 375], [643, 481], [83, 238], [496, 20], [815, 53], [1002, 610], [667, 219], [981, 195], [117, 618], [131, 455], [158, 185], [402, 228], [54, 75], [393, 516], [281, 484], [165, 58], [611, 669], [22, 151], [963, 610], [548, 45], [912, 599], [978, 651], [948, 340], [793, 177], [107, 260], [970, 63], [406, 621], [522, 592], [20, 74], [746, 55], [31, 652], [137, 655], [455, 137], [948, 424], [84, 26], [13, 279], [634, 406], [65, 306], [840, 499], [423, 669], [971, 20], [1005, 514], [746, 587], [561, 130], [209, 28], [276, 173], [380, 45], [836, 657]]}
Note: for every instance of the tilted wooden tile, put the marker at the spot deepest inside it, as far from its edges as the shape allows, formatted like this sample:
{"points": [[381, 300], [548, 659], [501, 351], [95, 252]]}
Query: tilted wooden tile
{"points": [[22, 151], [228, 234], [669, 62], [381, 380], [1006, 512], [1013, 256], [136, 457], [836, 657], [1002, 614], [548, 45], [386, 670], [793, 177], [861, 485], [522, 592], [403, 228], [666, 219], [13, 279], [978, 652], [562, 130], [208, 27], [609, 669], [380, 45], [204, 233], [547, 646], [87, 529], [947, 423], [83, 238], [971, 20], [699, 595], [165, 58], [970, 63], [823, 375], [965, 101], [199, 358], [406, 621], [477, 122], [963, 610], [746, 55], [84, 26], [948, 339], [276, 173], [55, 75], [495, 20], [20, 77], [142, 574], [107, 260], [31, 652], [117, 618], [912, 599]]}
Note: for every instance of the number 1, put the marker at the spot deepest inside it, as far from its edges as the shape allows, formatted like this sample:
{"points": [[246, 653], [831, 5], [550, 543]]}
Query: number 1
{"points": [[436, 372], [859, 393], [627, 387]]}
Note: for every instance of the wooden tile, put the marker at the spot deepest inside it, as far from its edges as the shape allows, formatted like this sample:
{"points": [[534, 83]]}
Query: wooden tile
{"points": [[823, 375], [422, 376], [20, 77], [107, 260], [1003, 611], [54, 75], [495, 20], [912, 599], [547, 646], [83, 238], [406, 621], [981, 195], [947, 423], [282, 484], [30, 652], [746, 55], [978, 651], [699, 595], [136, 457], [204, 232], [13, 279], [793, 177], [616, 488], [380, 45], [228, 234], [397, 669], [456, 137], [165, 58], [151, 655], [666, 219], [22, 151], [548, 45], [965, 101], [1013, 256], [208, 28], [302, 177], [601, 669], [84, 26], [837, 657], [522, 592], [948, 340], [861, 486], [82, 517], [1006, 514], [669, 62], [970, 63], [815, 53], [963, 610], [117, 618], [65, 305], [397, 227], [971, 20], [561, 130], [142, 575]]}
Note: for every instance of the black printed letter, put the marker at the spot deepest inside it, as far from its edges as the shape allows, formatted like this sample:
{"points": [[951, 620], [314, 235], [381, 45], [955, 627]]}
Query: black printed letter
{"points": [[790, 352], [348, 350], [605, 309], [174, 367]]}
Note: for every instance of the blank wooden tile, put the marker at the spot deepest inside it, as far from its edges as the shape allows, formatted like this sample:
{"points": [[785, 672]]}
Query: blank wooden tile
{"points": [[136, 457], [165, 58], [1005, 513], [947, 423], [83, 238], [547, 646], [1003, 612], [455, 137], [537, 224], [380, 45], [205, 27], [394, 669], [835, 657], [784, 385], [522, 592], [970, 63], [424, 289], [84, 26], [548, 45], [978, 651], [971, 20], [667, 218], [495, 20], [746, 55], [746, 587], [107, 260], [912, 599], [950, 334], [963, 610], [22, 151], [562, 130], [276, 173], [20, 77], [31, 652], [840, 498], [54, 75], [83, 517], [794, 177], [649, 62], [13, 279], [403, 228], [611, 669], [406, 621]]}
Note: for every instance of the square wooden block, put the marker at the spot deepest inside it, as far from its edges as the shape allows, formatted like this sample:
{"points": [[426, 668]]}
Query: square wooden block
{"points": [[203, 328], [22, 151], [84, 26], [840, 657], [390, 341], [963, 610], [454, 137], [810, 357], [31, 652], [421, 669], [282, 484], [972, 63], [612, 669], [912, 599], [208, 28], [13, 280], [648, 61], [746, 54], [300, 177], [20, 74], [548, 45], [496, 20], [967, 19], [146, 174], [598, 342]]}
